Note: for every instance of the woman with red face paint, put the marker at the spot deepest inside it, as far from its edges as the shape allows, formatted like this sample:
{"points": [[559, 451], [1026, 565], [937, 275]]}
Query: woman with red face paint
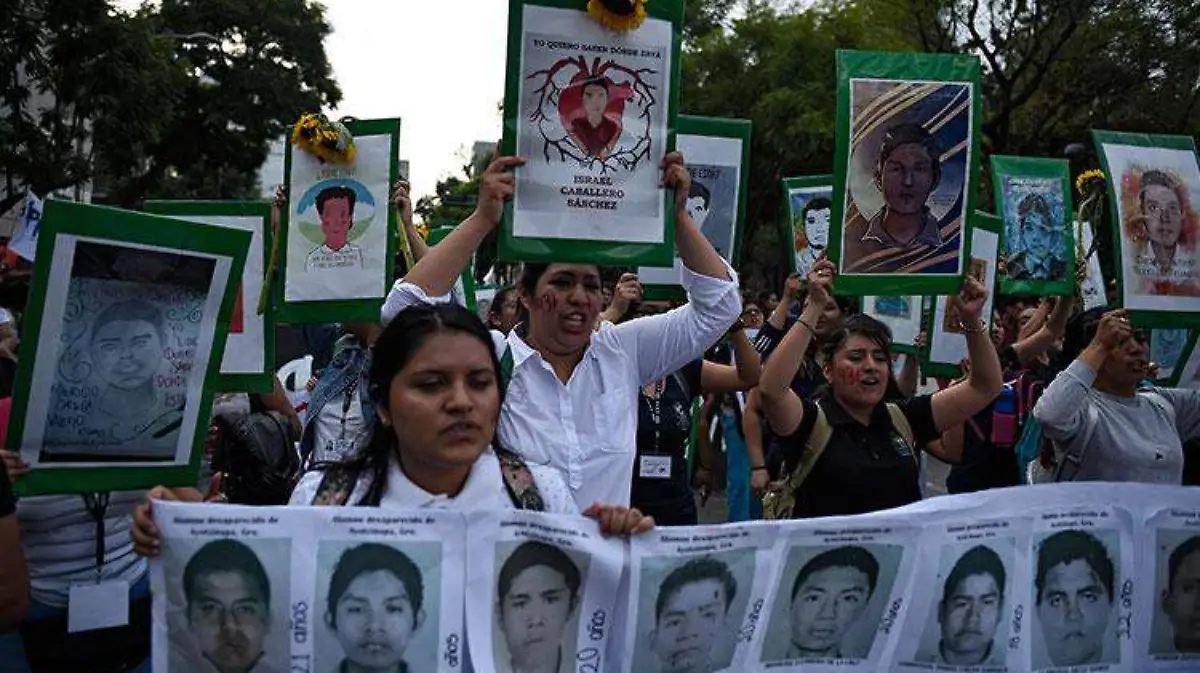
{"points": [[573, 391], [869, 460]]}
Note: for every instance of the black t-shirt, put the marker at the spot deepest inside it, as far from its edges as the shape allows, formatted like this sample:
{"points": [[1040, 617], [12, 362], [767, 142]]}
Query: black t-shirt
{"points": [[982, 465], [864, 468], [1043, 373], [664, 427], [8, 504]]}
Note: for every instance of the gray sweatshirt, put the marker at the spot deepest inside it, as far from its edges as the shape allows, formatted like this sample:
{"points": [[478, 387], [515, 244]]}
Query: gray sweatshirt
{"points": [[1136, 438]]}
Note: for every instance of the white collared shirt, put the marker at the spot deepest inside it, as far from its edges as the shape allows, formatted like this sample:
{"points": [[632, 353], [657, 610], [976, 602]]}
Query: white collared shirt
{"points": [[483, 490], [587, 428]]}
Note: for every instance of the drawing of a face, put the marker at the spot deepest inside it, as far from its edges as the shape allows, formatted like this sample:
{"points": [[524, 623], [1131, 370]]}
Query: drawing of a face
{"points": [[595, 101], [816, 227], [691, 622], [698, 209], [1164, 216], [826, 605], [376, 620], [907, 178], [1181, 603], [229, 618], [969, 617], [1074, 611], [534, 615], [337, 216], [127, 353], [1036, 234]]}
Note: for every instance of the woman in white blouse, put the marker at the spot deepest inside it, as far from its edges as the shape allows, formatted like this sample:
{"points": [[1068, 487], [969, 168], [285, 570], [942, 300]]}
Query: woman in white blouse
{"points": [[572, 392], [436, 382]]}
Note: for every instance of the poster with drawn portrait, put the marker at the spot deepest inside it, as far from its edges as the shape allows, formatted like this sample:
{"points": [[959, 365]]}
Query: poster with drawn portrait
{"points": [[837, 595], [947, 338], [1166, 351], [543, 590], [130, 327], [1037, 245], [902, 315], [387, 591], [718, 159], [338, 245], [906, 169], [699, 597], [1082, 596], [249, 360], [1154, 188], [224, 586], [589, 109], [809, 207], [1170, 638], [970, 615]]}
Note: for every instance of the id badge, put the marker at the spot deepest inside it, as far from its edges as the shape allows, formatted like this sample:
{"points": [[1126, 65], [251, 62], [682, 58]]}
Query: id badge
{"points": [[341, 448], [97, 606], [655, 467]]}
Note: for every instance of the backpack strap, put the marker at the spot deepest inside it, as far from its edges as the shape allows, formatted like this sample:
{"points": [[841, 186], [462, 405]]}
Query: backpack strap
{"points": [[901, 425], [814, 447], [336, 487], [519, 482]]}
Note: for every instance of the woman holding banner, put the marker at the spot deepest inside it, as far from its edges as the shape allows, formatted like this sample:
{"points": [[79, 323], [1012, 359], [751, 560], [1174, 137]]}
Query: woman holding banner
{"points": [[854, 452], [572, 398]]}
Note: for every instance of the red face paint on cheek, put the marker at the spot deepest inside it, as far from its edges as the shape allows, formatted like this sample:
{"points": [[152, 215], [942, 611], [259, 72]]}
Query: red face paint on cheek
{"points": [[548, 302], [849, 375]]}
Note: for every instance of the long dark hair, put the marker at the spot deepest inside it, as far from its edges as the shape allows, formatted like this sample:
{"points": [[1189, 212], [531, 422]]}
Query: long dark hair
{"points": [[393, 350], [863, 325]]}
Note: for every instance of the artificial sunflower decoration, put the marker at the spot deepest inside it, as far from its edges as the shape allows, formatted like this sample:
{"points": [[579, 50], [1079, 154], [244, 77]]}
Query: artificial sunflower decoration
{"points": [[1089, 182], [622, 15], [329, 141]]}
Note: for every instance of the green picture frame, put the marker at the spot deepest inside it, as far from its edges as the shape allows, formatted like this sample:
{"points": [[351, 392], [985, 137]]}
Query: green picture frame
{"points": [[520, 248], [1026, 187], [73, 224], [341, 310], [931, 101], [1130, 156], [241, 379], [693, 134], [467, 279], [936, 361], [811, 187], [1187, 372], [870, 306]]}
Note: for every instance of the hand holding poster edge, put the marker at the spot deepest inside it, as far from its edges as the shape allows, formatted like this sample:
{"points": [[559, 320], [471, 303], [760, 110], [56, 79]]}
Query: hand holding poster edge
{"points": [[258, 382], [1043, 206], [116, 227], [1184, 309], [573, 250], [341, 310], [916, 77], [699, 129]]}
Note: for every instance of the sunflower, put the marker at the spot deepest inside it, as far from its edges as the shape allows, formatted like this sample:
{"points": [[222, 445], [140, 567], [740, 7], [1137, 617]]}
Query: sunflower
{"points": [[1090, 182], [329, 141], [621, 15]]}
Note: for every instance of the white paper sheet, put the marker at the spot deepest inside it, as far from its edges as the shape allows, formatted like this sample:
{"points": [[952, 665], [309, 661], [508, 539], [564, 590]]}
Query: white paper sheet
{"points": [[948, 347]]}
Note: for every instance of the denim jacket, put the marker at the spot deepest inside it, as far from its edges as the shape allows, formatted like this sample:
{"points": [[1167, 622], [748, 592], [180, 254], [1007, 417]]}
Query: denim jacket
{"points": [[349, 357]]}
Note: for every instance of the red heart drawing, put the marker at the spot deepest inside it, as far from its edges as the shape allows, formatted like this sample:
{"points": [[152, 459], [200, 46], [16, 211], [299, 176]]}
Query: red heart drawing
{"points": [[591, 109]]}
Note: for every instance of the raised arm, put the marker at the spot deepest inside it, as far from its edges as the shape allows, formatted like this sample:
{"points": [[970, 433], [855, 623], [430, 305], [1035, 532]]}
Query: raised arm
{"points": [[1036, 321], [752, 431], [436, 273], [742, 375], [1033, 346], [1062, 408], [910, 371], [953, 406], [663, 343], [628, 290], [783, 409], [402, 202]]}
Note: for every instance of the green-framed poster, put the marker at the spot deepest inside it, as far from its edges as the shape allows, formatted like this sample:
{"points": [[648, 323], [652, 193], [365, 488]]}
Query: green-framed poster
{"points": [[130, 312], [1186, 372], [717, 152], [809, 203], [902, 315], [906, 167], [1154, 190], [592, 111], [249, 361], [337, 247], [1033, 197], [1168, 351], [463, 291], [947, 344]]}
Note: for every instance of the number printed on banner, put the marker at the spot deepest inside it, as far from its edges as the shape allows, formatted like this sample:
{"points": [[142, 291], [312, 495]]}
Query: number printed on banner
{"points": [[451, 657], [747, 633], [889, 620], [1125, 620], [1014, 643]]}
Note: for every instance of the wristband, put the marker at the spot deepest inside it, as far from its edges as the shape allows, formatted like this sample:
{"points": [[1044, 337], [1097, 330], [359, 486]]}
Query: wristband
{"points": [[979, 328], [802, 321], [737, 326], [760, 467]]}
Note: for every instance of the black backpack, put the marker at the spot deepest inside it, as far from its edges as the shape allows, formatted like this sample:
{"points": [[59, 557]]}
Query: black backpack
{"points": [[257, 458]]}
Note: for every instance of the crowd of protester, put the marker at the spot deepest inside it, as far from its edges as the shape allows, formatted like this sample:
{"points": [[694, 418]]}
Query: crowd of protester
{"points": [[573, 397]]}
